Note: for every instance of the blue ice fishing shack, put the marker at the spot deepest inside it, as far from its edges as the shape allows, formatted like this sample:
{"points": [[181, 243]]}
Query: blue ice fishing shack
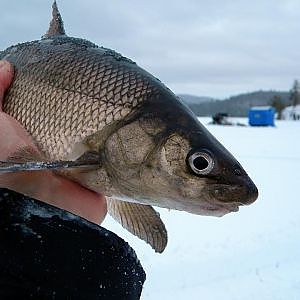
{"points": [[261, 116]]}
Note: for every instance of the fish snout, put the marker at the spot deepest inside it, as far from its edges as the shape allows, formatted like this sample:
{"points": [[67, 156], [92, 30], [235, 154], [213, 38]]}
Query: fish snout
{"points": [[250, 191], [246, 191], [242, 192]]}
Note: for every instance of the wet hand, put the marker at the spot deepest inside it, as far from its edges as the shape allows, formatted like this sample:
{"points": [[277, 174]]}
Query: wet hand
{"points": [[42, 185]]}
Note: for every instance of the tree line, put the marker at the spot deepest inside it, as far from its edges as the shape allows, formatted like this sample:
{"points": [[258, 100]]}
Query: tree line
{"points": [[294, 99]]}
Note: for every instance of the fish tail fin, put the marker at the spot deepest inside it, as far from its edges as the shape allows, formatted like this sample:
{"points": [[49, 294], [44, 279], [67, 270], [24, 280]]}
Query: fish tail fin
{"points": [[56, 25]]}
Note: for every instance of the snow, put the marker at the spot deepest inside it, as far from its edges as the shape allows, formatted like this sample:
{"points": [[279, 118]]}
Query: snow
{"points": [[251, 254], [291, 113]]}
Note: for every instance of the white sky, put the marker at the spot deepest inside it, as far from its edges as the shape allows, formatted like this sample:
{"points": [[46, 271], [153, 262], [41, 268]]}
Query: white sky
{"points": [[207, 48]]}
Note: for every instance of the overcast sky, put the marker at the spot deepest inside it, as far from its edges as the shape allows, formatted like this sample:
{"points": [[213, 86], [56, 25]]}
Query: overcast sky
{"points": [[207, 48]]}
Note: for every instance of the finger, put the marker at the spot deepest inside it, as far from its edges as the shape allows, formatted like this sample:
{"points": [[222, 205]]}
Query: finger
{"points": [[6, 76], [60, 192], [77, 199]]}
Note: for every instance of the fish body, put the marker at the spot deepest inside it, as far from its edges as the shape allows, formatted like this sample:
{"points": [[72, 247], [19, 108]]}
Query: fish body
{"points": [[74, 98]]}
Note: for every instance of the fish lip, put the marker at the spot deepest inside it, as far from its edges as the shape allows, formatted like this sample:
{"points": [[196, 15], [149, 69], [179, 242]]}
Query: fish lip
{"points": [[239, 193], [226, 209], [216, 209]]}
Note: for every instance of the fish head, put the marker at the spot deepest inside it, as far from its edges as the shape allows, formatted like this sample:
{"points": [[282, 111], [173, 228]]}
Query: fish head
{"points": [[162, 155]]}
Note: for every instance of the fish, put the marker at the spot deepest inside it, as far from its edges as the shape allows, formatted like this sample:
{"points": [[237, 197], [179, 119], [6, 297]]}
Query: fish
{"points": [[78, 100]]}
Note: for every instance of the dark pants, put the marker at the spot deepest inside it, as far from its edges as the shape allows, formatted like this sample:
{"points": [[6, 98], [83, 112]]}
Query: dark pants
{"points": [[48, 253]]}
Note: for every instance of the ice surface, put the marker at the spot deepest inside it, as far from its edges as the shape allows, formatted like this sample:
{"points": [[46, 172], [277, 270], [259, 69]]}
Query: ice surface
{"points": [[252, 254]]}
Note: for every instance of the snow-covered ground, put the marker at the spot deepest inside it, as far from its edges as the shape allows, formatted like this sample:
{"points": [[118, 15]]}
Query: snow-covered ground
{"points": [[252, 254]]}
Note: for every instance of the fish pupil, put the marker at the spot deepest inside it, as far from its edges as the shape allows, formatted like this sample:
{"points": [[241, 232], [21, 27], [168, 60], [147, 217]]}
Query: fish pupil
{"points": [[200, 163]]}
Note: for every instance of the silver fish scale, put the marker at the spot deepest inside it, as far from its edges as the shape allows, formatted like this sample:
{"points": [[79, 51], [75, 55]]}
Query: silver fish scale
{"points": [[66, 89]]}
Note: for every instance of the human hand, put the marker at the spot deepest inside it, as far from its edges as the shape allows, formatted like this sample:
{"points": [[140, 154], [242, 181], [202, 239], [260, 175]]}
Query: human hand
{"points": [[42, 185]]}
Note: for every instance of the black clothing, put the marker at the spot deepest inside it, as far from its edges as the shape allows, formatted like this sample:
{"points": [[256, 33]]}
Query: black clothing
{"points": [[48, 253]]}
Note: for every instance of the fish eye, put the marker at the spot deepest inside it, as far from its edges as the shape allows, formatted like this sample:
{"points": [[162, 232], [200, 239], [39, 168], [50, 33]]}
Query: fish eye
{"points": [[201, 163]]}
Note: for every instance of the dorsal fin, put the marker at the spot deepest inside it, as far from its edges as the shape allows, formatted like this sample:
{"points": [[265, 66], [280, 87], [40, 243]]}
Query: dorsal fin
{"points": [[56, 25]]}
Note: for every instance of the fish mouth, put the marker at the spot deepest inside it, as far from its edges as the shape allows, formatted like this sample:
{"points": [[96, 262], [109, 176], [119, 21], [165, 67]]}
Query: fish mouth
{"points": [[219, 209], [220, 199], [207, 206], [242, 192]]}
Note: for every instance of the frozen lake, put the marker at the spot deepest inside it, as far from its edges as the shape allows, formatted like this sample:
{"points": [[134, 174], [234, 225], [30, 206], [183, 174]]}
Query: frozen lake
{"points": [[252, 254]]}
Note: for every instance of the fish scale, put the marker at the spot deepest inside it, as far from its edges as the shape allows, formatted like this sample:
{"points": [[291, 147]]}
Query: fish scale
{"points": [[81, 91]]}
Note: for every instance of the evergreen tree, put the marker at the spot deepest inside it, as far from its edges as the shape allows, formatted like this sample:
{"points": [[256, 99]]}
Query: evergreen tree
{"points": [[278, 104], [295, 93]]}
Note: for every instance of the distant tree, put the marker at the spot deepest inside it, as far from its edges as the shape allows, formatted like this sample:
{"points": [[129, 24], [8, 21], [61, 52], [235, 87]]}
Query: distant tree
{"points": [[295, 93], [278, 103]]}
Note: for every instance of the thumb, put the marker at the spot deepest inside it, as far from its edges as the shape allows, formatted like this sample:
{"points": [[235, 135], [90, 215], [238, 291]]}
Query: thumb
{"points": [[6, 76]]}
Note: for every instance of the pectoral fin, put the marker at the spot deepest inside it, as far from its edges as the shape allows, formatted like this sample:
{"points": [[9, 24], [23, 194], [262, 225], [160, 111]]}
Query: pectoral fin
{"points": [[142, 221], [30, 159]]}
